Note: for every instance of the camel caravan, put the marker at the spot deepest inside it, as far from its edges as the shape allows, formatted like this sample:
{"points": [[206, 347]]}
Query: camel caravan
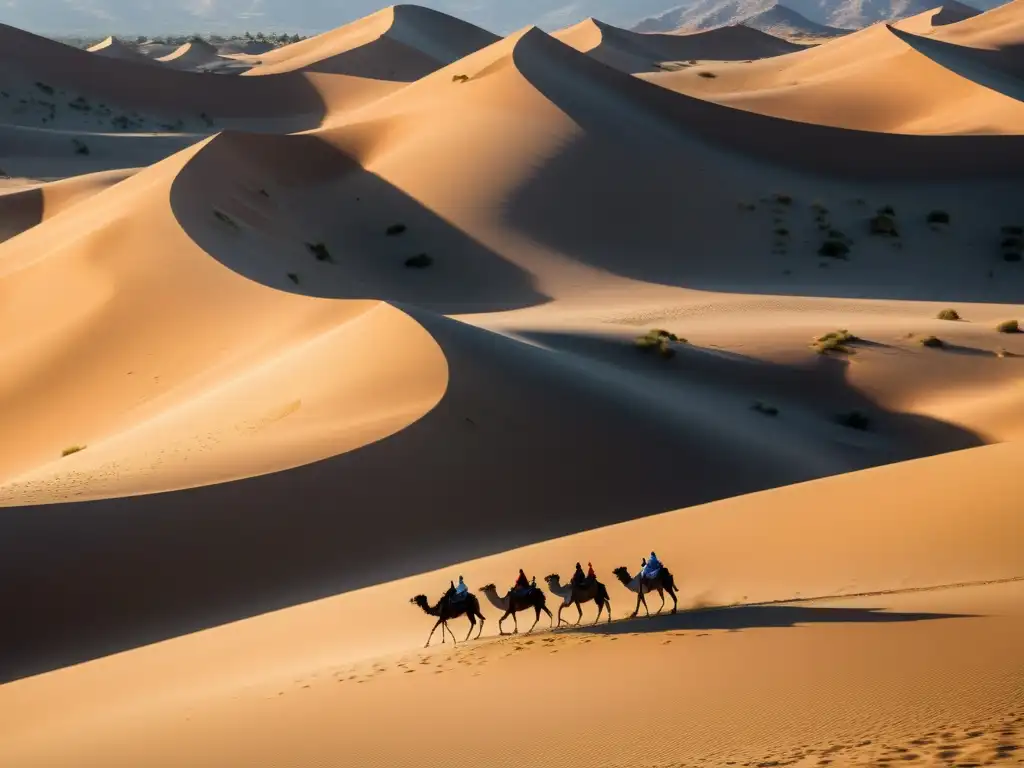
{"points": [[525, 595]]}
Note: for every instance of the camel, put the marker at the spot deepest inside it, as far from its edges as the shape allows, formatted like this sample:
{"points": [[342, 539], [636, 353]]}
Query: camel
{"points": [[447, 608], [661, 583], [590, 590], [513, 602]]}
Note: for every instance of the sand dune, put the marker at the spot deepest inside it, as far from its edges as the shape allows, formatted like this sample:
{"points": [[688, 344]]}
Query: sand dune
{"points": [[403, 42], [870, 80], [116, 49], [637, 52], [284, 351], [903, 527], [948, 13]]}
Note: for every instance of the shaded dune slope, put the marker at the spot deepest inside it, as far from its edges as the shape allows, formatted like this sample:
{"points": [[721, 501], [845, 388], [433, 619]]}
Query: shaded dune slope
{"points": [[876, 79], [637, 52], [403, 42]]}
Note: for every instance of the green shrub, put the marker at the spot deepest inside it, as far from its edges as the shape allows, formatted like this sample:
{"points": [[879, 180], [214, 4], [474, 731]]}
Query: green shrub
{"points": [[854, 420], [320, 251], [1008, 326], [884, 224], [835, 341], [948, 314], [419, 261], [835, 249], [658, 340]]}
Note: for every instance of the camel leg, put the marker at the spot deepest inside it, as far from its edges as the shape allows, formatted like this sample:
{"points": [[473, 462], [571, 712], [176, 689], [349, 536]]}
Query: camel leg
{"points": [[432, 634], [515, 624], [481, 630], [560, 619], [609, 604], [537, 611], [444, 627], [551, 618], [675, 603], [661, 594], [581, 613], [472, 623], [641, 599], [507, 614], [600, 607]]}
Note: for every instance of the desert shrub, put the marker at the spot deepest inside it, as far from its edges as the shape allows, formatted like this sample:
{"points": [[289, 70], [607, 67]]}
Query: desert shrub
{"points": [[834, 341], [263, 193], [819, 208], [783, 199], [223, 217], [835, 234], [745, 206], [782, 232], [419, 261], [884, 224], [709, 75], [47, 89], [460, 78], [853, 420], [835, 249], [1008, 326], [658, 340], [395, 229], [887, 210], [206, 119], [767, 410], [81, 148], [931, 341], [948, 314], [81, 104], [938, 217], [293, 277], [72, 449], [320, 251]]}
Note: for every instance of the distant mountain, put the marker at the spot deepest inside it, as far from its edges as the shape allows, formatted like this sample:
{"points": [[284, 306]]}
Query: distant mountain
{"points": [[837, 14], [787, 24]]}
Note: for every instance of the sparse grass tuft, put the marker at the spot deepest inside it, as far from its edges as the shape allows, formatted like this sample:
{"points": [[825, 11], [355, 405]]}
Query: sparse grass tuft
{"points": [[293, 277], [938, 217], [834, 341], [931, 341], [767, 410], [1008, 326], [72, 449], [419, 261], [887, 210], [460, 78], [783, 199], [709, 75], [395, 229], [47, 89], [782, 232], [834, 248], [884, 224], [854, 420], [660, 340], [81, 148], [320, 251], [948, 314]]}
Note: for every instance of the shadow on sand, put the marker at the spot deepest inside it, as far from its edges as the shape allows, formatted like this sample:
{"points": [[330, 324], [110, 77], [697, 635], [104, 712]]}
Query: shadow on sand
{"points": [[757, 616]]}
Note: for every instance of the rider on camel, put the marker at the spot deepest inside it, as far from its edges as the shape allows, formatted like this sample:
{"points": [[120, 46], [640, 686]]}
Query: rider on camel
{"points": [[591, 576], [521, 581], [578, 577], [651, 567], [461, 589]]}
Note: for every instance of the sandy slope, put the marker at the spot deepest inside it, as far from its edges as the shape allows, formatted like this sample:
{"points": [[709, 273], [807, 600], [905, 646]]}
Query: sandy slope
{"points": [[298, 444], [402, 42], [636, 52], [870, 80], [902, 527]]}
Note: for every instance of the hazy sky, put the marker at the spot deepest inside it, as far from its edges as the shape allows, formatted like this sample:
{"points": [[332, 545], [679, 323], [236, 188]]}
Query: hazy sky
{"points": [[307, 16]]}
